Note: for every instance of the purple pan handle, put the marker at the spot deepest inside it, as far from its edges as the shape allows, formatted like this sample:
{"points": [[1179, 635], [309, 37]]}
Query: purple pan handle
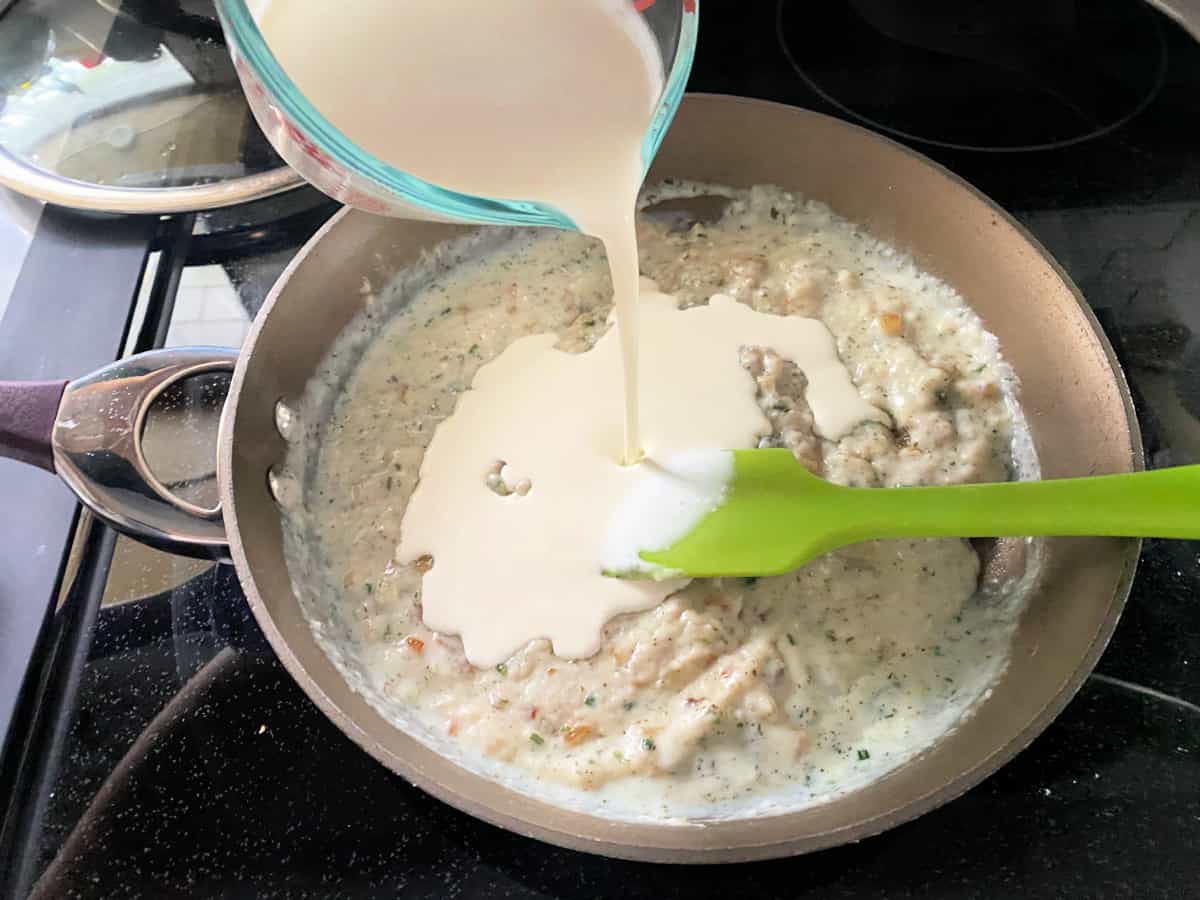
{"points": [[27, 413]]}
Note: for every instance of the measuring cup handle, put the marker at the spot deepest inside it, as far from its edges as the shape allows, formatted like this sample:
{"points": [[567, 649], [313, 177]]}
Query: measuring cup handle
{"points": [[27, 413]]}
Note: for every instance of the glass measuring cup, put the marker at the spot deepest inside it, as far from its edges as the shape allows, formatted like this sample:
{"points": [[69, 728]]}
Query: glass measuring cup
{"points": [[312, 146]]}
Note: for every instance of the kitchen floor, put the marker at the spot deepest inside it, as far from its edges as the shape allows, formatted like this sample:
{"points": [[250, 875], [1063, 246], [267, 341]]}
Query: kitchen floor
{"points": [[207, 310]]}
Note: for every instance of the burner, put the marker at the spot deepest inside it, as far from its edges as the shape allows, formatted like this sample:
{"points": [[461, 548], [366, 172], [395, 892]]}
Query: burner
{"points": [[976, 75]]}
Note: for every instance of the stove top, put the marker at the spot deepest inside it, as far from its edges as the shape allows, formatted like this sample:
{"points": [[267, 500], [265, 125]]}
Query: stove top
{"points": [[158, 749], [1041, 74]]}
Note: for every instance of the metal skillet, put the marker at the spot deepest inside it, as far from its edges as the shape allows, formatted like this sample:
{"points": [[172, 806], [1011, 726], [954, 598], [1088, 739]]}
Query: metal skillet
{"points": [[1074, 395]]}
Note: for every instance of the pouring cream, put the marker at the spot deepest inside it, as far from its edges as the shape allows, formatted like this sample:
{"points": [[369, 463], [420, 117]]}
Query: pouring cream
{"points": [[540, 100]]}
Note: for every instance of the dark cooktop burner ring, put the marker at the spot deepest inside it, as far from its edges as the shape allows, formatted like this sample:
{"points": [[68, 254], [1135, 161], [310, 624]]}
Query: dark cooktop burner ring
{"points": [[1147, 95]]}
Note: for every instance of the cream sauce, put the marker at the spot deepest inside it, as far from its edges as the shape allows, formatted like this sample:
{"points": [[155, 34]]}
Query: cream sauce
{"points": [[506, 557], [540, 100], [732, 697]]}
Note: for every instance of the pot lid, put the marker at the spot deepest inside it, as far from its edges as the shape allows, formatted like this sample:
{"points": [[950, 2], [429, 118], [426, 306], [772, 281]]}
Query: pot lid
{"points": [[127, 106]]}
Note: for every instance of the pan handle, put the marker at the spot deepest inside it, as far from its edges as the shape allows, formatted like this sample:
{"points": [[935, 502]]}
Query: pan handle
{"points": [[27, 412], [96, 445]]}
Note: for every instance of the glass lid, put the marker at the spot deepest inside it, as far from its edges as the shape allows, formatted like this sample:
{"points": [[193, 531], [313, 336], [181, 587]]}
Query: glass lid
{"points": [[128, 106]]}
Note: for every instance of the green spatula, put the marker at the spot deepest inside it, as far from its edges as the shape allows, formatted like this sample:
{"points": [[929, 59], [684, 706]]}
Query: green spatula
{"points": [[775, 516]]}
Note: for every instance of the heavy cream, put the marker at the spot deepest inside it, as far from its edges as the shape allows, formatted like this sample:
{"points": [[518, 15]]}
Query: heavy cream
{"points": [[537, 100], [518, 484]]}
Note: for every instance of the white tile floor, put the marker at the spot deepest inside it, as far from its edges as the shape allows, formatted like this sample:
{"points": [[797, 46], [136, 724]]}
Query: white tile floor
{"points": [[207, 310]]}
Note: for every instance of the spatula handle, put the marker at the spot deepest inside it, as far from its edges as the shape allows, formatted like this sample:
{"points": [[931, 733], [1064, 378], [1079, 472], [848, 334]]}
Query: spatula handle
{"points": [[1163, 503]]}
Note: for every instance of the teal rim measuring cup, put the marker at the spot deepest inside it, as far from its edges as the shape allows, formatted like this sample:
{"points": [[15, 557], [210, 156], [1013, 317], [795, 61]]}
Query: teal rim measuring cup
{"points": [[325, 158]]}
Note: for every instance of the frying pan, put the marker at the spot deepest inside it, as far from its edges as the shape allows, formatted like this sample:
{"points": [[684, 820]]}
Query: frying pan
{"points": [[1075, 399]]}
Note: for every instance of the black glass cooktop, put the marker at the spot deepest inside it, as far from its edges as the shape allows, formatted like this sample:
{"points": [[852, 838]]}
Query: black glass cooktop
{"points": [[163, 752]]}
